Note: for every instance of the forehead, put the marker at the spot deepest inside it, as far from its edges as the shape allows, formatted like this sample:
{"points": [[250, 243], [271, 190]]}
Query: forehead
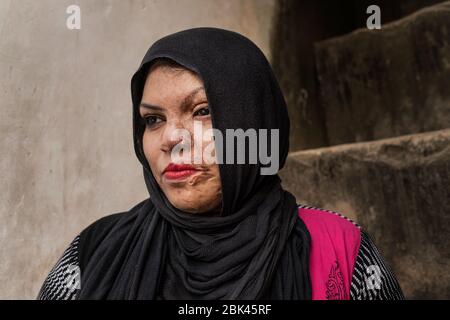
{"points": [[163, 81]]}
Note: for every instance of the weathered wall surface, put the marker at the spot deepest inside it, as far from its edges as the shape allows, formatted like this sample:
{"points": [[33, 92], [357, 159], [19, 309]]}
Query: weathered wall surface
{"points": [[398, 190], [388, 82], [65, 128], [368, 72]]}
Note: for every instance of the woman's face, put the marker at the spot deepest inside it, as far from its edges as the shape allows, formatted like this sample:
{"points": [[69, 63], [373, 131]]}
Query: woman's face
{"points": [[174, 99]]}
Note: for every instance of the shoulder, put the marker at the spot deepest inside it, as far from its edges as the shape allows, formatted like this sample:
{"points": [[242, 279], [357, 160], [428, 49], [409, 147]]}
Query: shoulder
{"points": [[94, 234], [344, 261], [103, 225], [373, 278], [323, 220], [331, 231], [98, 230], [335, 243], [62, 283], [64, 280]]}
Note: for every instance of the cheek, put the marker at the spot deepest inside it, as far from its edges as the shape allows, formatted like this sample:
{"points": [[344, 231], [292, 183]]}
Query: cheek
{"points": [[151, 150], [208, 191]]}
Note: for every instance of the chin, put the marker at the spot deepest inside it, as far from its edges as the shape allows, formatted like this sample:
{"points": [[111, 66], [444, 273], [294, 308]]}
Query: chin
{"points": [[192, 200], [187, 206]]}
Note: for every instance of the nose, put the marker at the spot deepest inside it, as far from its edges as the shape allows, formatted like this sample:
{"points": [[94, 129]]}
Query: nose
{"points": [[174, 134]]}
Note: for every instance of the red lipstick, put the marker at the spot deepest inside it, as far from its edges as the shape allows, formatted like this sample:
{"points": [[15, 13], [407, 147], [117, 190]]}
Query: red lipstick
{"points": [[179, 171]]}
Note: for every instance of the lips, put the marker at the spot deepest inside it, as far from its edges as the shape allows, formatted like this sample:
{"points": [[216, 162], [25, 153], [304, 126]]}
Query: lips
{"points": [[179, 171]]}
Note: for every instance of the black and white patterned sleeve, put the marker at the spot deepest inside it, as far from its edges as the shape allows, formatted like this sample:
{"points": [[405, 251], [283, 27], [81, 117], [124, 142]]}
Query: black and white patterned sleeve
{"points": [[63, 281], [372, 278]]}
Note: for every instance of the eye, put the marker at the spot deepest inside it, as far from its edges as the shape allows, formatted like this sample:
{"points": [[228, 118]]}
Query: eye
{"points": [[202, 112], [152, 120]]}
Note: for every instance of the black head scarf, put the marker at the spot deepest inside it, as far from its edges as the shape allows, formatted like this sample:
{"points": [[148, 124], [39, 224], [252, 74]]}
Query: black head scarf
{"points": [[257, 248]]}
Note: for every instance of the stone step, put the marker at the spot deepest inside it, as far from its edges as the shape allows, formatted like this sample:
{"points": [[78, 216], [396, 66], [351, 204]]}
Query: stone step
{"points": [[376, 84], [398, 189]]}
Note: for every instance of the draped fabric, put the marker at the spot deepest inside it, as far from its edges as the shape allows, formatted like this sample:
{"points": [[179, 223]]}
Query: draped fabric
{"points": [[257, 248]]}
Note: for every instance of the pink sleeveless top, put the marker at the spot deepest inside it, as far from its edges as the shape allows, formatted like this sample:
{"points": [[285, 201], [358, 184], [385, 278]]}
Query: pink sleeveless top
{"points": [[334, 247]]}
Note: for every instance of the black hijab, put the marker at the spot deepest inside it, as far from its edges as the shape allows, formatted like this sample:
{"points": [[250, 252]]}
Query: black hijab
{"points": [[258, 248]]}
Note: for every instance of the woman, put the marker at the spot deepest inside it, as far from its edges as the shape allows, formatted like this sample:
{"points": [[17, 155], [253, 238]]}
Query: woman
{"points": [[212, 229]]}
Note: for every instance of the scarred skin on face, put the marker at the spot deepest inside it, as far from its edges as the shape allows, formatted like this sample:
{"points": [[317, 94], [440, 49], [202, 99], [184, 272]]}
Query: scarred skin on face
{"points": [[173, 98]]}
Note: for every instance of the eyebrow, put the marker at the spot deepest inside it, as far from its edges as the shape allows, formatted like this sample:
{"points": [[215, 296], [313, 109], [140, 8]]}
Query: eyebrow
{"points": [[187, 101]]}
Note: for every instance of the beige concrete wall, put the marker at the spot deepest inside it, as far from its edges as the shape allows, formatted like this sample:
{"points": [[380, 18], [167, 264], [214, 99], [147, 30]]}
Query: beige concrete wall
{"points": [[65, 128]]}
